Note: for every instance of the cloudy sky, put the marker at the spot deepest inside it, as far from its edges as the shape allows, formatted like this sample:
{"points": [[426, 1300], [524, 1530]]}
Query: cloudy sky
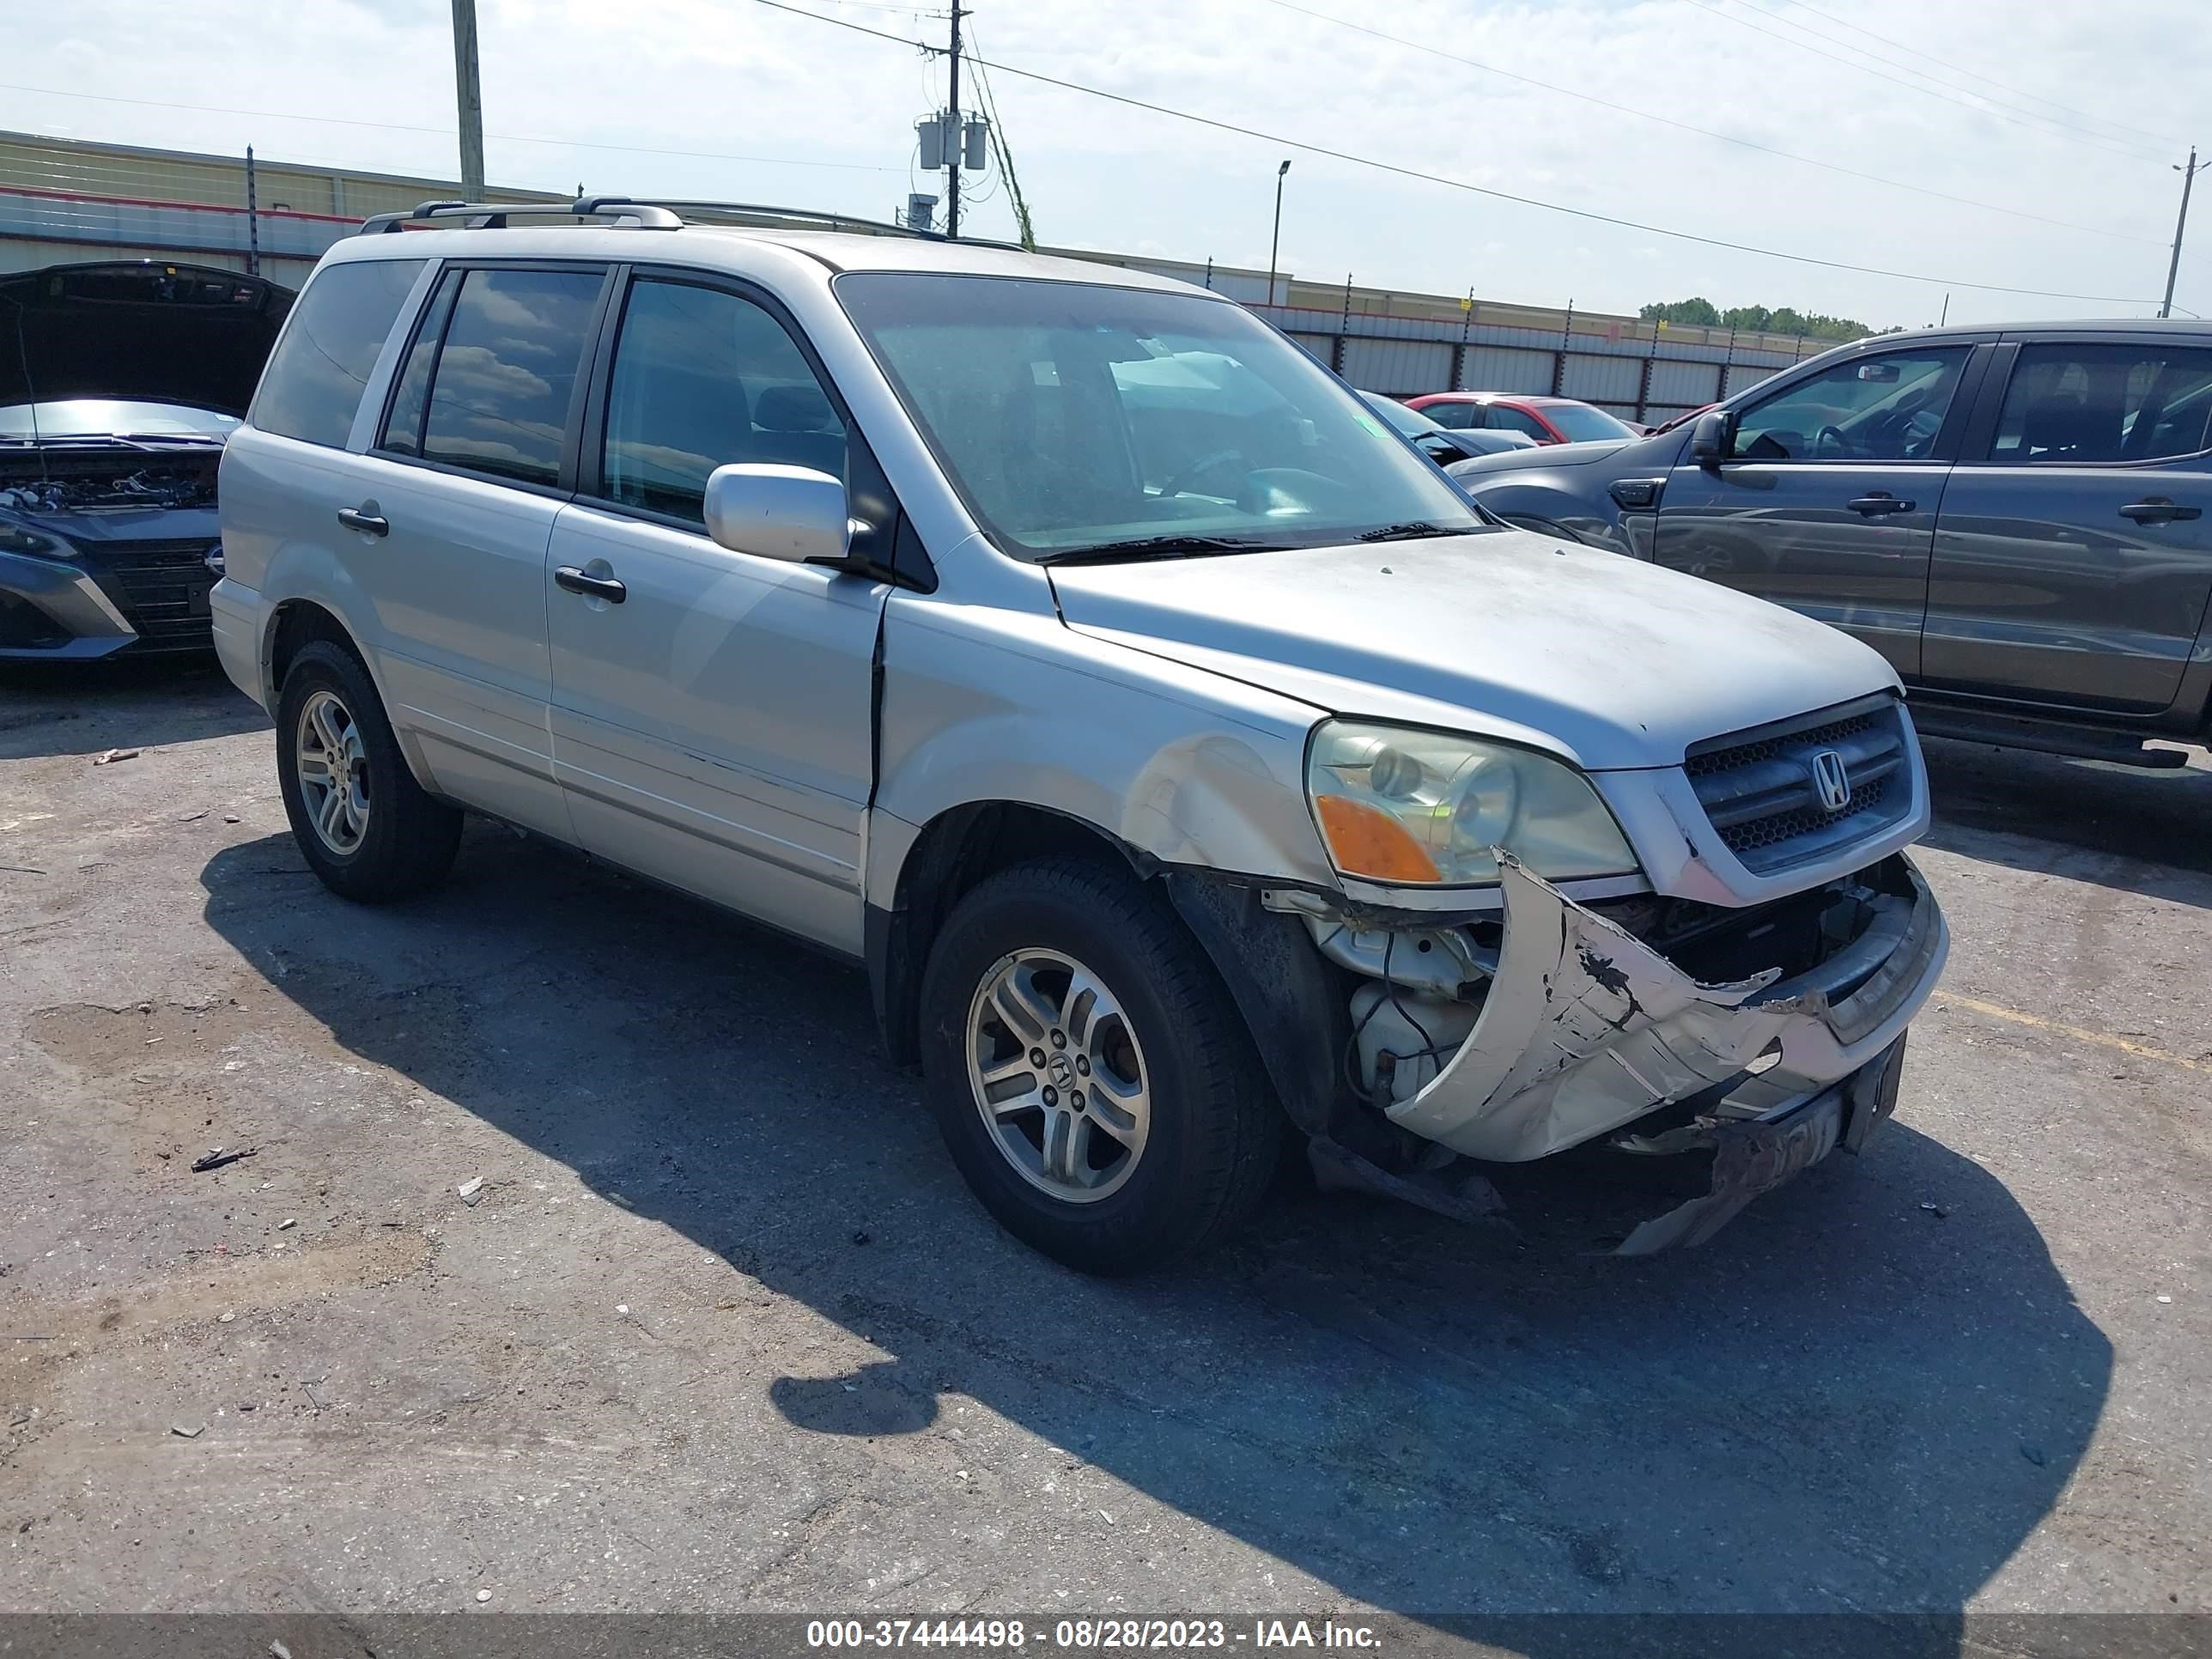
{"points": [[1975, 141]]}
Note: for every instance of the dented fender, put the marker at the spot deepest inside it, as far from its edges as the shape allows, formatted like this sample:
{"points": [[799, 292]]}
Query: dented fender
{"points": [[1586, 1028]]}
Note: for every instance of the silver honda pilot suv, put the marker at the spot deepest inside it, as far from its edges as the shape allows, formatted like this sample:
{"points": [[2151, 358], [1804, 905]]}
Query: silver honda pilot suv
{"points": [[1181, 753]]}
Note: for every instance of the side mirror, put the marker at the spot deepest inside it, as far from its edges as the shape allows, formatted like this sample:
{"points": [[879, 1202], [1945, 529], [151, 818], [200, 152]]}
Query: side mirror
{"points": [[1712, 437], [789, 512]]}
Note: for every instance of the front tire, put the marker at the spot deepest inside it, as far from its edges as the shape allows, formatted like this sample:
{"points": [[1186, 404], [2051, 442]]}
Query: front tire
{"points": [[362, 823], [1089, 1073]]}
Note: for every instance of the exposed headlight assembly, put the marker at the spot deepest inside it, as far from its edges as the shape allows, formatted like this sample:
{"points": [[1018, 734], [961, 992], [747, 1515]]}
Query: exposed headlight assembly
{"points": [[14, 538], [1416, 808]]}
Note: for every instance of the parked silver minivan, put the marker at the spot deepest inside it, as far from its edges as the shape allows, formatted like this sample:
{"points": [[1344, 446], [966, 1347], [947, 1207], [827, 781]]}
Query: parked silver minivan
{"points": [[1181, 754]]}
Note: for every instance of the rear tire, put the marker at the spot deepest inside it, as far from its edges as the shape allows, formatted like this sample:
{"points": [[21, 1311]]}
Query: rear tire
{"points": [[1081, 952], [364, 825]]}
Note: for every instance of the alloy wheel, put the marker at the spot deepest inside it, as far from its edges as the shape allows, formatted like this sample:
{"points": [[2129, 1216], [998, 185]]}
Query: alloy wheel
{"points": [[1058, 1075]]}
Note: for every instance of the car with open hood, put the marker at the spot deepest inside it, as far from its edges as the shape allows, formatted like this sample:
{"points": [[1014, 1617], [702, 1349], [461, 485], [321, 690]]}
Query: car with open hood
{"points": [[119, 384], [1178, 752]]}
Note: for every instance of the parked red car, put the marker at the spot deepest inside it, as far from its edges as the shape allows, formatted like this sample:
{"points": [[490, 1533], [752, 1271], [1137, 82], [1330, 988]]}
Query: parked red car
{"points": [[1547, 420]]}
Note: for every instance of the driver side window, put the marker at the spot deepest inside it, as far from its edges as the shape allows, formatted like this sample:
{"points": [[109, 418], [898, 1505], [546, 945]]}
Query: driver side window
{"points": [[1870, 408]]}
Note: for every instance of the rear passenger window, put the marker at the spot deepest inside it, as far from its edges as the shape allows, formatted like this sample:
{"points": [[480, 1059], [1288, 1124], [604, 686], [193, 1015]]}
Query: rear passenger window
{"points": [[704, 378], [1513, 420], [312, 386], [2084, 404], [500, 388]]}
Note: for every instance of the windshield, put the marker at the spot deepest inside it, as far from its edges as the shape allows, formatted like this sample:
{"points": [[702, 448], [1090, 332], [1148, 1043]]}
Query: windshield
{"points": [[1077, 417], [100, 417], [1582, 423]]}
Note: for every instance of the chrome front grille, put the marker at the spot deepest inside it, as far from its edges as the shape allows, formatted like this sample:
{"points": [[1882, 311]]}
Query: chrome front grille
{"points": [[1763, 789]]}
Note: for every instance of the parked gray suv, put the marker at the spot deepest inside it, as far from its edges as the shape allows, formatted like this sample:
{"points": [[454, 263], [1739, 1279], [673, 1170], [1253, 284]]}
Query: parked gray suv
{"points": [[2015, 516], [1179, 752]]}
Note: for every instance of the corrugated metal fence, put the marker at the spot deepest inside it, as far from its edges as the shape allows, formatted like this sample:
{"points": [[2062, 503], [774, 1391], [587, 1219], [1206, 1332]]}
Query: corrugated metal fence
{"points": [[69, 199], [1647, 374]]}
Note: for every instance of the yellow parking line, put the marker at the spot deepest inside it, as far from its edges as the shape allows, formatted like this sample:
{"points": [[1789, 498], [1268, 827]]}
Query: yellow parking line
{"points": [[2102, 1039]]}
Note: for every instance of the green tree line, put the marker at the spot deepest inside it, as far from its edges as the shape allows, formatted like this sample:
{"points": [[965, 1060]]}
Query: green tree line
{"points": [[1701, 312]]}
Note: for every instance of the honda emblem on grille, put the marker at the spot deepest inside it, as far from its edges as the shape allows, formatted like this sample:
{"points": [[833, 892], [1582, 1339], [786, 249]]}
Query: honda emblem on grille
{"points": [[1831, 780]]}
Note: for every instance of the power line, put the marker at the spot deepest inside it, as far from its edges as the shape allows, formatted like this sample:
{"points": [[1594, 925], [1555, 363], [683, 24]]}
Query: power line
{"points": [[1311, 148], [447, 132], [2033, 120], [1996, 107], [1703, 132], [2118, 133], [1976, 75], [1004, 151]]}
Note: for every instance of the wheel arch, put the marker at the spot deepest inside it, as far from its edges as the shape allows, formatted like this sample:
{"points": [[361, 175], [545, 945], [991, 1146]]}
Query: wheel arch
{"points": [[297, 622], [947, 858], [1288, 995], [293, 624]]}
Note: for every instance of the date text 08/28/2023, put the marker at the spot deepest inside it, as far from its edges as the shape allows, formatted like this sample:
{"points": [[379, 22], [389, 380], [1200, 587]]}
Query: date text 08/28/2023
{"points": [[1087, 1634]]}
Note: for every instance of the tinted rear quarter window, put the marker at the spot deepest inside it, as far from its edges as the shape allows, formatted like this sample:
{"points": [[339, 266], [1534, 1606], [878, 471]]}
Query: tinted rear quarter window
{"points": [[312, 386], [502, 384]]}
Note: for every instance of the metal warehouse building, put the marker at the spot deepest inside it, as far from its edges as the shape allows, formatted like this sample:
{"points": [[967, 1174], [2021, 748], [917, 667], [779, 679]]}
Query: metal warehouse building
{"points": [[66, 200]]}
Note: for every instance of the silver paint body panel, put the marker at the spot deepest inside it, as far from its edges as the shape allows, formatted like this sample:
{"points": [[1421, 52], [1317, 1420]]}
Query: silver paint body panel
{"points": [[777, 737]]}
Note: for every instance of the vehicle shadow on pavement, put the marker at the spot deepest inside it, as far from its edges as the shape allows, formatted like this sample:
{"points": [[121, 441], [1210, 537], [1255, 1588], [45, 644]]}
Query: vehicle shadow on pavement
{"points": [[1845, 1403], [139, 703], [2094, 821]]}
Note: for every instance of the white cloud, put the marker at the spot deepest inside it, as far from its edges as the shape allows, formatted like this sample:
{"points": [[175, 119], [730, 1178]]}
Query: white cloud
{"points": [[735, 78]]}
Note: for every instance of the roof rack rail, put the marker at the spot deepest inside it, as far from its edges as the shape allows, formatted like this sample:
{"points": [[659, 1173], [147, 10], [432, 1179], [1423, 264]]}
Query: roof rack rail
{"points": [[637, 212], [763, 210], [494, 216], [795, 215]]}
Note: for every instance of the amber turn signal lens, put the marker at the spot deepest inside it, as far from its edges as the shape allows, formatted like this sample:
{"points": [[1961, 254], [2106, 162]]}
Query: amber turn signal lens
{"points": [[1363, 842]]}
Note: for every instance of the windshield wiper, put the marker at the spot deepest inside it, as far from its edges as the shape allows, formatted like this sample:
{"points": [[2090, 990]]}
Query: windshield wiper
{"points": [[145, 442], [1156, 547], [1414, 532]]}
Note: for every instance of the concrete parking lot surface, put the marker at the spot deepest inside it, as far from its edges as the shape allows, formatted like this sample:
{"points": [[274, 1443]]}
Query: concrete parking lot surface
{"points": [[721, 1328]]}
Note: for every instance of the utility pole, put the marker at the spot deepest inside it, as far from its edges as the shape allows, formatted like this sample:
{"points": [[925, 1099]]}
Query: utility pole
{"points": [[252, 220], [2173, 266], [1275, 244], [469, 95], [953, 146]]}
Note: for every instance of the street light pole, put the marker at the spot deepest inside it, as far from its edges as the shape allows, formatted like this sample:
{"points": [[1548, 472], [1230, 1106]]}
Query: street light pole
{"points": [[1275, 244], [2173, 266]]}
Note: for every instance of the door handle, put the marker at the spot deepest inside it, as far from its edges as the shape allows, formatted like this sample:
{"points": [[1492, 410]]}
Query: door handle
{"points": [[1878, 504], [596, 587], [365, 519], [2156, 509]]}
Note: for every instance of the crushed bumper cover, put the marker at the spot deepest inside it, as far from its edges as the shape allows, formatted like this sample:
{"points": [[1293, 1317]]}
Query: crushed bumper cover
{"points": [[1756, 1157], [1586, 1029]]}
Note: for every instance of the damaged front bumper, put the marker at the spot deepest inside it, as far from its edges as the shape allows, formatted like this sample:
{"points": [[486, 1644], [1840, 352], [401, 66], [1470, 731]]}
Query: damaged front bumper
{"points": [[1585, 1028]]}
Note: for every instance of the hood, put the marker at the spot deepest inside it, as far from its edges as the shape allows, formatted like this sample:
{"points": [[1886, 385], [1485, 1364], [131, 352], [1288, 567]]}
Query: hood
{"points": [[1545, 455], [1608, 661], [184, 334]]}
